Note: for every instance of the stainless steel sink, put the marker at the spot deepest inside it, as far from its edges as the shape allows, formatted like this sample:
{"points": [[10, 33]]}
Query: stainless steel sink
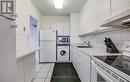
{"points": [[86, 44], [83, 46]]}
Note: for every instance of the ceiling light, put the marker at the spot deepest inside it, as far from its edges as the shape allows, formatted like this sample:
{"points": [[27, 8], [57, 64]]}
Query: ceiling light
{"points": [[58, 4]]}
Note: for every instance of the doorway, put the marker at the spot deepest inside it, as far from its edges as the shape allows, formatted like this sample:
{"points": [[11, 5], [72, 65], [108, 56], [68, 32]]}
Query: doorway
{"points": [[33, 33], [34, 39]]}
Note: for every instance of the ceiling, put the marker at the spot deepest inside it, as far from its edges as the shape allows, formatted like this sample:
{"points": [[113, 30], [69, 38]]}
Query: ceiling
{"points": [[46, 7]]}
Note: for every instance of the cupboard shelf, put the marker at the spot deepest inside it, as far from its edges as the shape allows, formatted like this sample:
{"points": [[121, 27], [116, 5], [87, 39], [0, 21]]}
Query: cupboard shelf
{"points": [[102, 31], [115, 20]]}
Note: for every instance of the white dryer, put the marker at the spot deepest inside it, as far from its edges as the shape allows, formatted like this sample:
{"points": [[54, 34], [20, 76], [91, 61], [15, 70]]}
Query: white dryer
{"points": [[63, 53]]}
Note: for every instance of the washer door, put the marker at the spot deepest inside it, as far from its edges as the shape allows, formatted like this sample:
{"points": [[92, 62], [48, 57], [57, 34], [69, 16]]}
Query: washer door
{"points": [[62, 53]]}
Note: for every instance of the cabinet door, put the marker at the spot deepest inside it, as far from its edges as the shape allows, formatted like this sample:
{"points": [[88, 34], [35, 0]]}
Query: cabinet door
{"points": [[103, 11], [29, 67], [88, 17], [72, 54], [20, 70], [81, 63], [84, 66], [93, 16], [119, 6]]}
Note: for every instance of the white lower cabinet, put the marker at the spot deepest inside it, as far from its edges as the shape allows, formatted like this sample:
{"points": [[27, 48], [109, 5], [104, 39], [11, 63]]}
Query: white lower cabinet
{"points": [[81, 62], [20, 70], [29, 67], [26, 69]]}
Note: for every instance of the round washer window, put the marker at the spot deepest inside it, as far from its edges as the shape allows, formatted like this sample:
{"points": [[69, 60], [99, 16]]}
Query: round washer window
{"points": [[63, 53]]}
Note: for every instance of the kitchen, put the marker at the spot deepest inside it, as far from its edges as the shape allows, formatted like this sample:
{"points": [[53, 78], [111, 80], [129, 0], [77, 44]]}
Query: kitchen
{"points": [[88, 39]]}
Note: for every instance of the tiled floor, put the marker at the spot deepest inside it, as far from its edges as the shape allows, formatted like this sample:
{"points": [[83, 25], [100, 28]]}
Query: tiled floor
{"points": [[45, 73]]}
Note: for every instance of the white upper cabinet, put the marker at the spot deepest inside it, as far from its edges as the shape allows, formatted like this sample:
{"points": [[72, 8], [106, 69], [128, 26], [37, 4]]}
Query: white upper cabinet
{"points": [[119, 6], [103, 11], [88, 17], [97, 12]]}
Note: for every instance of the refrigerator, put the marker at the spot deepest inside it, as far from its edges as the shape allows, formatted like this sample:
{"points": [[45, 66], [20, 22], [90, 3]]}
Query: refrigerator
{"points": [[47, 46]]}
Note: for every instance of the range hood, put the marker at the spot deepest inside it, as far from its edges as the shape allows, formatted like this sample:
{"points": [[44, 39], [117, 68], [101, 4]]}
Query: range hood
{"points": [[120, 20]]}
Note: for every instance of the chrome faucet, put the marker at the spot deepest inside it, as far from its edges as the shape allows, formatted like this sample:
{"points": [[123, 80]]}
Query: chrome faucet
{"points": [[87, 43]]}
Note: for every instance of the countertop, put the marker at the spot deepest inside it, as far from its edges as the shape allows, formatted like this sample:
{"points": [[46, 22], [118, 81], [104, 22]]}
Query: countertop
{"points": [[25, 52], [98, 50]]}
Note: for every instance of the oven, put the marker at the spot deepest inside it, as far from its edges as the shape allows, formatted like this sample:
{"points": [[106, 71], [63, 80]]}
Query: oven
{"points": [[101, 73], [97, 73]]}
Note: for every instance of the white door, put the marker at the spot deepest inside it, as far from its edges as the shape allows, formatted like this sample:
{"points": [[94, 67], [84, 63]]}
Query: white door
{"points": [[33, 32], [48, 52]]}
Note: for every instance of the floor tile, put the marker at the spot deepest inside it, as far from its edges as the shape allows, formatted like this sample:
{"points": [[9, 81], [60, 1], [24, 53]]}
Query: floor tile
{"points": [[44, 69], [46, 65], [49, 75], [45, 72], [42, 75], [39, 80], [47, 80]]}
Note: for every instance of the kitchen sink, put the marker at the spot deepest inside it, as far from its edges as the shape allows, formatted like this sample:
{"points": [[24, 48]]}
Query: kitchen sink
{"points": [[83, 46]]}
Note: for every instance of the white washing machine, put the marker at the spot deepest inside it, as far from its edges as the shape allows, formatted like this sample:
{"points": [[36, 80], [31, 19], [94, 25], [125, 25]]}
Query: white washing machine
{"points": [[63, 53]]}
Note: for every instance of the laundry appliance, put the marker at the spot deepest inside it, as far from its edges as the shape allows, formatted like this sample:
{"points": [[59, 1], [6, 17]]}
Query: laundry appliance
{"points": [[63, 48]]}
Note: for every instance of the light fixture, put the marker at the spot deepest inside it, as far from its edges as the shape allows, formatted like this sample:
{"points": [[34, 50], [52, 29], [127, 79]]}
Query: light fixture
{"points": [[58, 4]]}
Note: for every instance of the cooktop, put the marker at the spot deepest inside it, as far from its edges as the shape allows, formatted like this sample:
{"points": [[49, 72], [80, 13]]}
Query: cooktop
{"points": [[119, 62]]}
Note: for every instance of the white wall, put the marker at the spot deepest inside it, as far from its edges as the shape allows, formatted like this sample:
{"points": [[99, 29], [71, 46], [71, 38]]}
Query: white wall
{"points": [[75, 28], [118, 37], [49, 22], [60, 23], [25, 8]]}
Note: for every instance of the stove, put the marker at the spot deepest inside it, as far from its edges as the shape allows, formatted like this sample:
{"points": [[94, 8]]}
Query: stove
{"points": [[119, 62]]}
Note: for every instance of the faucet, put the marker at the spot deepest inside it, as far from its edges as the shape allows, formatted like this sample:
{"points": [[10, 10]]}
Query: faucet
{"points": [[87, 43]]}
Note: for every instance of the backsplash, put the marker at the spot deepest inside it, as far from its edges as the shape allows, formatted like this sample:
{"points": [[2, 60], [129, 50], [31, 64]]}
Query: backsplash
{"points": [[118, 37]]}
